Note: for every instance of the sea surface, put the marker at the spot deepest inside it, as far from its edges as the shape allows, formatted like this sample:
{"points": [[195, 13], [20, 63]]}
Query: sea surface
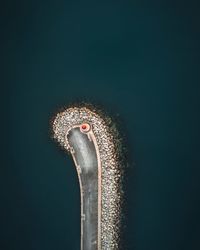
{"points": [[139, 61]]}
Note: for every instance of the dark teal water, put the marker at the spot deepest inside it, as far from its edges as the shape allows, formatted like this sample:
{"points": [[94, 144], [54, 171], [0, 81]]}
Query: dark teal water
{"points": [[137, 60]]}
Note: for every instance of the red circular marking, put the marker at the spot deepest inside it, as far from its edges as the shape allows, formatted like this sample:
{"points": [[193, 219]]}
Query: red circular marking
{"points": [[84, 126]]}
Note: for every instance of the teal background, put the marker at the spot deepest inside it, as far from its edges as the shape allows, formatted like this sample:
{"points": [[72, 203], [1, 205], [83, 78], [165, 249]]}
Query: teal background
{"points": [[138, 60]]}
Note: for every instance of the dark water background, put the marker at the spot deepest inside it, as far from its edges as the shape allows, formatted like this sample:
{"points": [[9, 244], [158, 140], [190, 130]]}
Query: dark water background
{"points": [[138, 60]]}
